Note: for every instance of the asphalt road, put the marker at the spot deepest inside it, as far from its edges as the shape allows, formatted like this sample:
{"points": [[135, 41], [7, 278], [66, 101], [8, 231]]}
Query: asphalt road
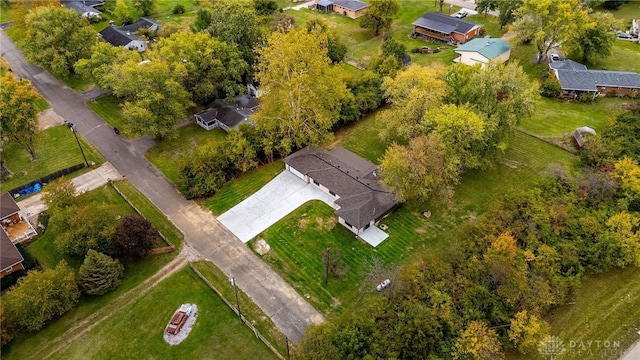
{"points": [[287, 309]]}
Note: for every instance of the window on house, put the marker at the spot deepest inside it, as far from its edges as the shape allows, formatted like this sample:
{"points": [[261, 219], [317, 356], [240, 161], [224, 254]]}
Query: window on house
{"points": [[349, 225], [315, 182], [332, 193]]}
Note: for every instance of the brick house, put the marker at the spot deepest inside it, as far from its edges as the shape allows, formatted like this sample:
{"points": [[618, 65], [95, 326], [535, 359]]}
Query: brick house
{"points": [[436, 26], [576, 79], [349, 8], [10, 258]]}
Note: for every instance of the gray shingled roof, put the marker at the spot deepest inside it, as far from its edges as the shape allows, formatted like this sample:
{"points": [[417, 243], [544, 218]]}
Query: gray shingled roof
{"points": [[8, 205], [567, 65], [362, 197], [116, 37], [589, 80], [141, 23], [9, 254], [83, 6], [353, 5], [444, 24]]}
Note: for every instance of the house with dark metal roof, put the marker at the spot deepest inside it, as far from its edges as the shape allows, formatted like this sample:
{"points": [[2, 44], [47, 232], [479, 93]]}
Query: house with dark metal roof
{"points": [[576, 79], [10, 258], [86, 8], [482, 50], [125, 35], [360, 197], [227, 116], [350, 8], [436, 26]]}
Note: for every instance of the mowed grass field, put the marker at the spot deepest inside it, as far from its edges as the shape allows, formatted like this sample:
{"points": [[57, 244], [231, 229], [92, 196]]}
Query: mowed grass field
{"points": [[136, 331], [56, 149], [108, 108]]}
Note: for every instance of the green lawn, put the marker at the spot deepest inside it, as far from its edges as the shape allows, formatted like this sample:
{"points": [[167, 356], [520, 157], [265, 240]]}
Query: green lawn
{"points": [[299, 238], [248, 308], [136, 331], [44, 250], [151, 212], [625, 57], [56, 149], [362, 137], [556, 117], [166, 153], [4, 13], [605, 308], [629, 10], [108, 108], [240, 188]]}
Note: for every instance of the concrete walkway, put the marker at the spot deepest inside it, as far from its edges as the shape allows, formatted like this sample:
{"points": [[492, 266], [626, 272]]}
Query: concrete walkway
{"points": [[467, 4], [33, 205], [282, 195], [287, 309]]}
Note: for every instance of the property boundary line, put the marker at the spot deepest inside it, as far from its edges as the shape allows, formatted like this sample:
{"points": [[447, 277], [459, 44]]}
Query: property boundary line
{"points": [[235, 310], [140, 213]]}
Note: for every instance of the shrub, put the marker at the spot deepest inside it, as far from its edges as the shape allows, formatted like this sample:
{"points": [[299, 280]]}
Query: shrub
{"points": [[586, 98], [178, 9], [550, 87], [99, 273], [134, 238], [43, 219]]}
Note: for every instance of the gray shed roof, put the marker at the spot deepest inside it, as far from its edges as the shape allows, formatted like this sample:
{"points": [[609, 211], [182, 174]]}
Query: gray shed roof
{"points": [[444, 24], [567, 65], [353, 5], [362, 197]]}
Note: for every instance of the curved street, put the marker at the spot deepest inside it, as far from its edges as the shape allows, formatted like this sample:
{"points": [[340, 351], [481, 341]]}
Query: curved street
{"points": [[287, 309]]}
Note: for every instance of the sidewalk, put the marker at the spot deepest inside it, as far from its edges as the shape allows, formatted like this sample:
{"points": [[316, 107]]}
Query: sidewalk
{"points": [[32, 206]]}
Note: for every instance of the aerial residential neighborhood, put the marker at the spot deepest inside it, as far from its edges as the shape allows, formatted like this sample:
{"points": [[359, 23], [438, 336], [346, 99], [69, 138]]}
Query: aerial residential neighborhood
{"points": [[323, 179]]}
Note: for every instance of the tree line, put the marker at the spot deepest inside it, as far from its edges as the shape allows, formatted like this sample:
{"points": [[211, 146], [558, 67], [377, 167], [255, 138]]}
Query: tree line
{"points": [[522, 258]]}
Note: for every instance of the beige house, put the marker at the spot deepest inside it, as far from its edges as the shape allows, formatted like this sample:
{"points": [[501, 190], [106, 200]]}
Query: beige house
{"points": [[350, 8], [482, 50]]}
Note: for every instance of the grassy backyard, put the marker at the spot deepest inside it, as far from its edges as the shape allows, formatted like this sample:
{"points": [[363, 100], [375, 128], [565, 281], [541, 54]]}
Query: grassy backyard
{"points": [[55, 148], [135, 331]]}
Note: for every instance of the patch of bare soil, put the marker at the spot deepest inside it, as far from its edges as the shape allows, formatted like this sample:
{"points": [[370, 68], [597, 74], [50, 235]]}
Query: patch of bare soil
{"points": [[303, 223], [421, 230], [326, 224]]}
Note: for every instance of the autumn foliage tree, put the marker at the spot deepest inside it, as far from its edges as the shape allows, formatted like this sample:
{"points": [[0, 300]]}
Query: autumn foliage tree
{"points": [[84, 227], [134, 238], [40, 296], [379, 15], [302, 92], [18, 117]]}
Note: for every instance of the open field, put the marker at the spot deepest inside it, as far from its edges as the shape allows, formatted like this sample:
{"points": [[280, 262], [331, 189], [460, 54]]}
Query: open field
{"points": [[56, 149], [136, 331], [605, 308], [248, 308], [165, 154]]}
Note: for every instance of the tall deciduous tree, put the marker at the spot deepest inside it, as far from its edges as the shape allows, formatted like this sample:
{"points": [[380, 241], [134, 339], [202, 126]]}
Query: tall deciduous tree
{"points": [[121, 13], [379, 15], [84, 227], [59, 195], [507, 9], [40, 296], [134, 238], [145, 6], [18, 116], [99, 273], [302, 94], [421, 170], [478, 342], [203, 19], [526, 331], [21, 8], [214, 69], [594, 40], [100, 64], [156, 101], [236, 22], [411, 94], [549, 23], [56, 38]]}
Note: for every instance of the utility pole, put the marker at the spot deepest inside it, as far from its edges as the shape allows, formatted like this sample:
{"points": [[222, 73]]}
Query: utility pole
{"points": [[73, 130]]}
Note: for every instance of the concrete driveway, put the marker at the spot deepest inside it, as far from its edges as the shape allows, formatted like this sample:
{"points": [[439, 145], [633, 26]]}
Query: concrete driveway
{"points": [[285, 193]]}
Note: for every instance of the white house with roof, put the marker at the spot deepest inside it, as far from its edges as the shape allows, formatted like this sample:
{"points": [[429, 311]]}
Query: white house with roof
{"points": [[126, 36], [482, 51]]}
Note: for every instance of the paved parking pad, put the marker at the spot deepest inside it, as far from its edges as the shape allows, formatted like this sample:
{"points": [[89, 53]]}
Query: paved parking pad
{"points": [[285, 193]]}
